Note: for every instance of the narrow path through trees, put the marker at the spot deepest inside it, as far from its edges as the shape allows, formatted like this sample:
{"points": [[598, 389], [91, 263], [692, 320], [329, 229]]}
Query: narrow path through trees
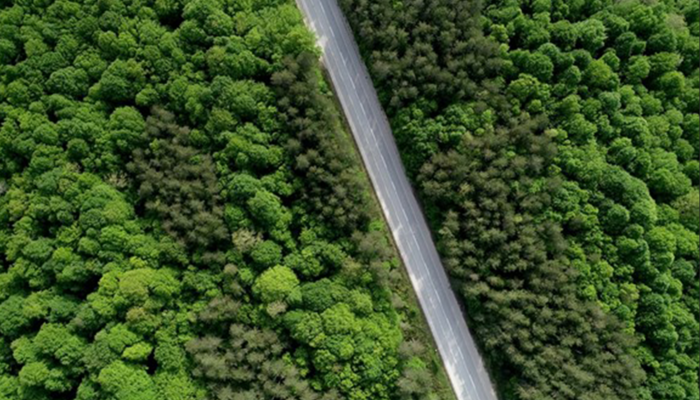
{"points": [[373, 135]]}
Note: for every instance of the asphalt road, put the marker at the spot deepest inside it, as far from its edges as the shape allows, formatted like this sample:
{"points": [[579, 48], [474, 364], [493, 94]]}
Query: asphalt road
{"points": [[372, 133]]}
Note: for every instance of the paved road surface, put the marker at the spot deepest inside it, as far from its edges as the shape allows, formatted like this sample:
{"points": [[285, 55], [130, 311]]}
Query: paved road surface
{"points": [[381, 157]]}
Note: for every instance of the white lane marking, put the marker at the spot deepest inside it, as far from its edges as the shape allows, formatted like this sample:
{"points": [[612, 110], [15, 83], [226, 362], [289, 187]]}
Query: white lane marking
{"points": [[352, 101], [440, 301], [384, 166]]}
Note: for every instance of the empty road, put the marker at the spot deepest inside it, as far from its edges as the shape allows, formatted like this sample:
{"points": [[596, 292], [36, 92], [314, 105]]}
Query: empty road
{"points": [[372, 133]]}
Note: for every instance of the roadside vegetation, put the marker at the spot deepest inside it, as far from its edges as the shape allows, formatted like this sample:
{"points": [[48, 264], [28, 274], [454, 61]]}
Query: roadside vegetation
{"points": [[182, 217], [555, 147]]}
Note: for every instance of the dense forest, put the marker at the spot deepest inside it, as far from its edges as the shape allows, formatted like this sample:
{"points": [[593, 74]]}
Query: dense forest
{"points": [[182, 216], [555, 148]]}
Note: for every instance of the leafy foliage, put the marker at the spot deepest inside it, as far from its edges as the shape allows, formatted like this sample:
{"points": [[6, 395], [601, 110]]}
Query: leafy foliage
{"points": [[560, 184], [177, 184], [174, 183]]}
